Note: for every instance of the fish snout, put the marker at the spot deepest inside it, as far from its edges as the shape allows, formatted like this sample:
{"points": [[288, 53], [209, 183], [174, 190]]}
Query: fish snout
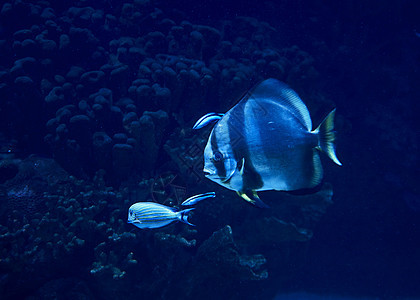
{"points": [[208, 173]]}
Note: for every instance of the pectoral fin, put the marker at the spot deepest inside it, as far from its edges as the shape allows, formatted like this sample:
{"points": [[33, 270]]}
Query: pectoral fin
{"points": [[241, 167], [252, 198]]}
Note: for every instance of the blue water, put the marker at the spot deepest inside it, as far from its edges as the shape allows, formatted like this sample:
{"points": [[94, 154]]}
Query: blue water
{"points": [[97, 102]]}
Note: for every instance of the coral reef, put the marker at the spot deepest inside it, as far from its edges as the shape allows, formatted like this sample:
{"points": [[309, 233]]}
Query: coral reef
{"points": [[134, 61], [112, 89]]}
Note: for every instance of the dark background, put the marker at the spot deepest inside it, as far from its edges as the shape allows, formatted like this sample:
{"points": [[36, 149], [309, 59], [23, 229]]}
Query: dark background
{"points": [[367, 53]]}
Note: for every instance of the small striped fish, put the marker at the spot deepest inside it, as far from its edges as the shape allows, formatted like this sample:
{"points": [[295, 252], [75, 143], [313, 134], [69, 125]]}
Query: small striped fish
{"points": [[154, 215]]}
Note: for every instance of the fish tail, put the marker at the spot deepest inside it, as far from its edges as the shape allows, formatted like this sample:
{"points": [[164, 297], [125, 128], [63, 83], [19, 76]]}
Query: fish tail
{"points": [[327, 137], [183, 216]]}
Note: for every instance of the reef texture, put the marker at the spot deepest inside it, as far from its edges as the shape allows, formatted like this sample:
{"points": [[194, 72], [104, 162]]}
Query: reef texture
{"points": [[112, 90]]}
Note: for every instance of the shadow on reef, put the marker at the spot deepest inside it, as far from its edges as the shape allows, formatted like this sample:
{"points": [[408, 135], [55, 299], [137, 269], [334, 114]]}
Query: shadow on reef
{"points": [[118, 88], [59, 233]]}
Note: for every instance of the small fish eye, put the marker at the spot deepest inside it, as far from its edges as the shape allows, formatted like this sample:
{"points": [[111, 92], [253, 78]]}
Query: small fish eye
{"points": [[217, 156]]}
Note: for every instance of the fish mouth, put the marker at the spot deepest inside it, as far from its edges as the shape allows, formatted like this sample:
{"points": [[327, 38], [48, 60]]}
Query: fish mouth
{"points": [[207, 173], [213, 176]]}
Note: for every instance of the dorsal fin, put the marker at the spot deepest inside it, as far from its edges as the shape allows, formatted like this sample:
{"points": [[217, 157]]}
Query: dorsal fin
{"points": [[279, 92]]}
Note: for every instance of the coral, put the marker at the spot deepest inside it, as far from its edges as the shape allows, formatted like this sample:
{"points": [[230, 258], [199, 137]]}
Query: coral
{"points": [[232, 268], [113, 89]]}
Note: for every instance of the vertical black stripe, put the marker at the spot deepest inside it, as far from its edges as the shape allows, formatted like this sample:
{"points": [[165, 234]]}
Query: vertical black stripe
{"points": [[236, 126], [220, 166]]}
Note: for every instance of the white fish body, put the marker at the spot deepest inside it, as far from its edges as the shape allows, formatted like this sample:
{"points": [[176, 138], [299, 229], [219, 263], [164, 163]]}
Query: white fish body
{"points": [[266, 142], [154, 215]]}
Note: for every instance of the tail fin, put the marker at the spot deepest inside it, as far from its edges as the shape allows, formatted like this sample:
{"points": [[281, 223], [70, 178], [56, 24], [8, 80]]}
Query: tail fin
{"points": [[326, 136], [183, 216]]}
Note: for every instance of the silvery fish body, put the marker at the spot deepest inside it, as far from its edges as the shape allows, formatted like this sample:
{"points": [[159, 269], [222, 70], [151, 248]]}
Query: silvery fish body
{"points": [[266, 142], [197, 198], [154, 215]]}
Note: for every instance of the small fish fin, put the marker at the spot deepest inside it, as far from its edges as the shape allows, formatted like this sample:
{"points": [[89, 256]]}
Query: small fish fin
{"points": [[183, 216], [253, 199], [281, 93], [326, 135], [207, 119], [242, 166]]}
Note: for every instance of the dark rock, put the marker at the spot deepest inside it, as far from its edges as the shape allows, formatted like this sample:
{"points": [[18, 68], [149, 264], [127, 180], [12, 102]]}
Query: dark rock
{"points": [[59, 79], [119, 79], [29, 47], [92, 80], [73, 287], [162, 96], [61, 131], [131, 107], [47, 46], [187, 26], [143, 94], [80, 129], [79, 120], [97, 108], [74, 73], [144, 71], [155, 42], [104, 96], [83, 105], [221, 250], [181, 66], [24, 66], [46, 86], [129, 117], [47, 66], [65, 113], [64, 42], [23, 34], [48, 13], [83, 36], [120, 138], [52, 124], [136, 54], [24, 82], [81, 15], [55, 97], [132, 142], [6, 9], [166, 24]]}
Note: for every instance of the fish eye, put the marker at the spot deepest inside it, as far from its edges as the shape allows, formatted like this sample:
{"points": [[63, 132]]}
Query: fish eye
{"points": [[217, 156]]}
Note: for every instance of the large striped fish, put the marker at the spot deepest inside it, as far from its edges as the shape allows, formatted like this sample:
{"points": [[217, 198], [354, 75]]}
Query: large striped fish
{"points": [[154, 215], [266, 142]]}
